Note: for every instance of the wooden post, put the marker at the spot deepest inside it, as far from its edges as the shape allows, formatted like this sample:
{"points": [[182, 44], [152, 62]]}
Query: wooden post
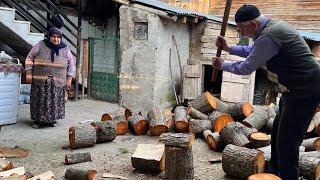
{"points": [[178, 155]]}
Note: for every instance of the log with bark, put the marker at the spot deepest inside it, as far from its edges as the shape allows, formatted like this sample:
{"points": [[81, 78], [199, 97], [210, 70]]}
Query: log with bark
{"points": [[236, 133], [180, 119], [196, 114], [120, 122], [77, 158], [213, 140], [269, 124], [158, 121], [264, 176], [80, 174], [259, 118], [258, 140], [221, 121], [105, 130], [240, 111], [309, 167], [242, 162], [81, 136], [197, 126], [204, 103], [178, 154], [312, 144], [316, 122], [138, 124], [315, 154], [148, 158], [5, 165]]}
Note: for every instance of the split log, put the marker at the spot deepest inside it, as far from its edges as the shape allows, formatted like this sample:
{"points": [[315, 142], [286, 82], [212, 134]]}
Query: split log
{"points": [[270, 124], [312, 144], [181, 140], [258, 140], [82, 136], [197, 126], [148, 158], [180, 119], [242, 162], [213, 140], [264, 176], [221, 121], [233, 134], [204, 103], [5, 165], [259, 118], [77, 158], [19, 171], [158, 122], [240, 110], [45, 176], [105, 130], [309, 167], [178, 154], [316, 122], [79, 174], [138, 124], [196, 114]]}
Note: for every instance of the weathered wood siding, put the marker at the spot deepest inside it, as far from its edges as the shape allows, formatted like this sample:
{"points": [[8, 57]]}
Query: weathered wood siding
{"points": [[302, 14], [204, 6]]}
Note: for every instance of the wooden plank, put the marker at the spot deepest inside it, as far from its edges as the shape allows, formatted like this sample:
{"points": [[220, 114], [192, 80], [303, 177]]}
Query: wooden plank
{"points": [[18, 171], [191, 81]]}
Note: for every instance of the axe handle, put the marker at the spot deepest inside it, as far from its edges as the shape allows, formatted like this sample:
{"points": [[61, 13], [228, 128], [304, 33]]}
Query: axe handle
{"points": [[222, 33]]}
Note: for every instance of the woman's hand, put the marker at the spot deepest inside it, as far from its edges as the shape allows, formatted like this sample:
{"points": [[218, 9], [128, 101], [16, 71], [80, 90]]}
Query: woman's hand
{"points": [[69, 80], [217, 62], [222, 43], [29, 77]]}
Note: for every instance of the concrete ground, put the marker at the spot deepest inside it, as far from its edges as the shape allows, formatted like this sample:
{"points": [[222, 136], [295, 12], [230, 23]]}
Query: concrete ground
{"points": [[45, 152]]}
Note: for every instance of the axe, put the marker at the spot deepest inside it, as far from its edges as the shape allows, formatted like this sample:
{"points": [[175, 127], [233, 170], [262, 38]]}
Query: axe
{"points": [[222, 33]]}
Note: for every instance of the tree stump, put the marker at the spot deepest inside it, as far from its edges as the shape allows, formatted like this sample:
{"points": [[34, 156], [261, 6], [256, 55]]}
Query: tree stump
{"points": [[263, 176], [197, 126], [196, 114], [204, 103], [180, 119], [79, 174], [148, 158], [258, 140], [240, 110], [259, 118], [234, 133], [158, 122], [106, 131], [213, 140], [138, 124], [309, 167], [77, 158], [82, 136], [242, 162], [312, 144], [178, 154]]}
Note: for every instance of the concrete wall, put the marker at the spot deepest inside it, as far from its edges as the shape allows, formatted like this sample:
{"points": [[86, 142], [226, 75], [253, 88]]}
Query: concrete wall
{"points": [[144, 75]]}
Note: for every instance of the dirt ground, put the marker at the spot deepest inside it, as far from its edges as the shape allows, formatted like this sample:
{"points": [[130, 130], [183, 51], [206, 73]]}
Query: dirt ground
{"points": [[45, 152]]}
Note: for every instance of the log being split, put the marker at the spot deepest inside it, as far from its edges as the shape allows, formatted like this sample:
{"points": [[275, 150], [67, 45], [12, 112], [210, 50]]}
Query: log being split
{"points": [[235, 133], [138, 124], [196, 114], [178, 154], [77, 158], [264, 176], [259, 118], [258, 140], [213, 140], [106, 131], [82, 136], [219, 121], [309, 167], [197, 126], [312, 144], [180, 119], [240, 110], [204, 103], [242, 162], [158, 122], [148, 158], [80, 174]]}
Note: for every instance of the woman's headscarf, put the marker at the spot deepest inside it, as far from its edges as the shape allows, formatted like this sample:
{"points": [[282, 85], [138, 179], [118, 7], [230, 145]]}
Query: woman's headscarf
{"points": [[54, 48]]}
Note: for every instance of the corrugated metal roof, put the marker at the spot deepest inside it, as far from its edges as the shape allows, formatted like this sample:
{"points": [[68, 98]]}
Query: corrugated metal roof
{"points": [[313, 36]]}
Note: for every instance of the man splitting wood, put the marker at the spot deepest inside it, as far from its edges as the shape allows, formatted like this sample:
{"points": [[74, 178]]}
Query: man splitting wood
{"points": [[281, 51]]}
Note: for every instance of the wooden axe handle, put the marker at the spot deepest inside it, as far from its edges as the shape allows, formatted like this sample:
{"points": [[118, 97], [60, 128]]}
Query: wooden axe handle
{"points": [[222, 33]]}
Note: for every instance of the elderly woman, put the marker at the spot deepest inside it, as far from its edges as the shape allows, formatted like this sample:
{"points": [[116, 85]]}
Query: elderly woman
{"points": [[49, 69]]}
